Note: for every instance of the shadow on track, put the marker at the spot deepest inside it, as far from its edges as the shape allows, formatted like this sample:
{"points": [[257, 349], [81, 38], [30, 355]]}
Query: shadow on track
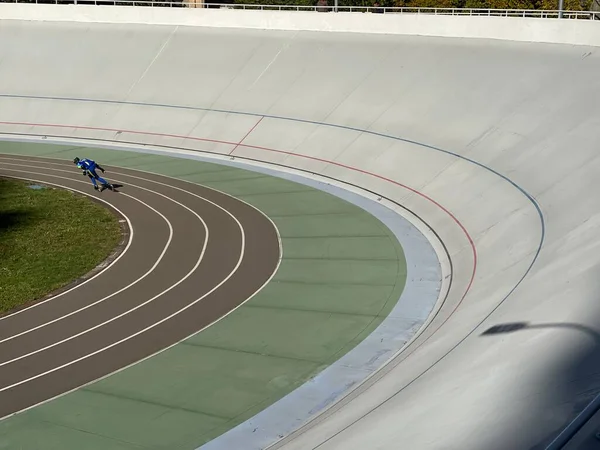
{"points": [[574, 379], [518, 326], [113, 188], [14, 219], [11, 215]]}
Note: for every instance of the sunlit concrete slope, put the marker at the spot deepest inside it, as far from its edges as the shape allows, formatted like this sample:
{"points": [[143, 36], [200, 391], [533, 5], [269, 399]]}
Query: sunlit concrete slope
{"points": [[494, 144]]}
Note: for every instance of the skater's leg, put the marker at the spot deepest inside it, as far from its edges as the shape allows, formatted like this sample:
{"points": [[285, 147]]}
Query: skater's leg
{"points": [[99, 178]]}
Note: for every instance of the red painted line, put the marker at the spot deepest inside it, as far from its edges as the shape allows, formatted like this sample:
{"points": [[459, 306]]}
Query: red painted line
{"points": [[247, 134], [312, 158], [389, 180]]}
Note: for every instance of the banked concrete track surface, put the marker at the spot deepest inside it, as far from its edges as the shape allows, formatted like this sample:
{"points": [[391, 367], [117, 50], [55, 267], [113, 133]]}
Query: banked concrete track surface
{"points": [[493, 143]]}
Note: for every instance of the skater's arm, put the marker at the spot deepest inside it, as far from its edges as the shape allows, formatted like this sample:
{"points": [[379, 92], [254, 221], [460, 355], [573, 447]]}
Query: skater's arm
{"points": [[99, 167]]}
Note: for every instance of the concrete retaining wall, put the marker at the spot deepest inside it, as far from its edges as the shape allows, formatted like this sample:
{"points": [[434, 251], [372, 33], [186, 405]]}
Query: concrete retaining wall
{"points": [[576, 32], [494, 143]]}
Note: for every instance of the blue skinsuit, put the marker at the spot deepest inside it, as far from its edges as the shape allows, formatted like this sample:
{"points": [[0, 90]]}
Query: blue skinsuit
{"points": [[89, 166]]}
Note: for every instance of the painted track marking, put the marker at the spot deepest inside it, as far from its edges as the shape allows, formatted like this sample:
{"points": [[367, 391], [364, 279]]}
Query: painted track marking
{"points": [[131, 232], [312, 158], [162, 320], [218, 319], [126, 312], [423, 145], [135, 334], [157, 262], [284, 152], [2, 159]]}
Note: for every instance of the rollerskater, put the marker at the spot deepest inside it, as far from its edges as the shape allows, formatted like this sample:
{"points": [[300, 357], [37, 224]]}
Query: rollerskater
{"points": [[89, 167]]}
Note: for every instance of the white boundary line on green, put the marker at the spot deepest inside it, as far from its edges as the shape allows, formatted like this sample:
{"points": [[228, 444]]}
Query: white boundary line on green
{"points": [[187, 337], [422, 291]]}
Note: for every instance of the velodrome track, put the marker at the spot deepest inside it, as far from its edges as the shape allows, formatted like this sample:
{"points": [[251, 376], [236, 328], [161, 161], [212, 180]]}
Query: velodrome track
{"points": [[493, 143], [193, 255]]}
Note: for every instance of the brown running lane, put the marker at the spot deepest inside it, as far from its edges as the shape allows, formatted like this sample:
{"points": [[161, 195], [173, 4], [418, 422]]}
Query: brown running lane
{"points": [[33, 353]]}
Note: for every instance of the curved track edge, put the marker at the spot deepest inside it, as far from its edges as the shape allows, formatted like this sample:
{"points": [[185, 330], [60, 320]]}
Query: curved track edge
{"points": [[118, 251], [397, 339]]}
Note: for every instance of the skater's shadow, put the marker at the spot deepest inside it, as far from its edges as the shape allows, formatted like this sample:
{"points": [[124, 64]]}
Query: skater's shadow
{"points": [[116, 187], [20, 218]]}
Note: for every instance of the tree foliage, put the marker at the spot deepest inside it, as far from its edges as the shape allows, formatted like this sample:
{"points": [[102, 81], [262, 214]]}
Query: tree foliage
{"points": [[570, 5]]}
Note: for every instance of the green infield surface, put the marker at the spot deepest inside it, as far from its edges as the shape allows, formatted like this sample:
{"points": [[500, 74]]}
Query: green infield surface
{"points": [[40, 231], [342, 273]]}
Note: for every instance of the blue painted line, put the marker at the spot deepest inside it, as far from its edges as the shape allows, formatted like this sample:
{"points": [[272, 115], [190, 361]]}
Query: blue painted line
{"points": [[417, 300], [344, 127]]}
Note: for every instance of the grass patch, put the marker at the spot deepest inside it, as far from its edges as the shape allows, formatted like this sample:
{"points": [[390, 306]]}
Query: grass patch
{"points": [[49, 238]]}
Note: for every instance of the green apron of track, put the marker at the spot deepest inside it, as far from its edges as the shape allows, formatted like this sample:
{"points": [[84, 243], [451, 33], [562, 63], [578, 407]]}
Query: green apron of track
{"points": [[342, 272]]}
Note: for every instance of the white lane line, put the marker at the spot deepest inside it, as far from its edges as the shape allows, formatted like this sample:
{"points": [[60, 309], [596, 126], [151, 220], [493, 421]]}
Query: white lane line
{"points": [[7, 157], [163, 349], [126, 312], [195, 332], [108, 296], [89, 279], [2, 161], [242, 252], [134, 308]]}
